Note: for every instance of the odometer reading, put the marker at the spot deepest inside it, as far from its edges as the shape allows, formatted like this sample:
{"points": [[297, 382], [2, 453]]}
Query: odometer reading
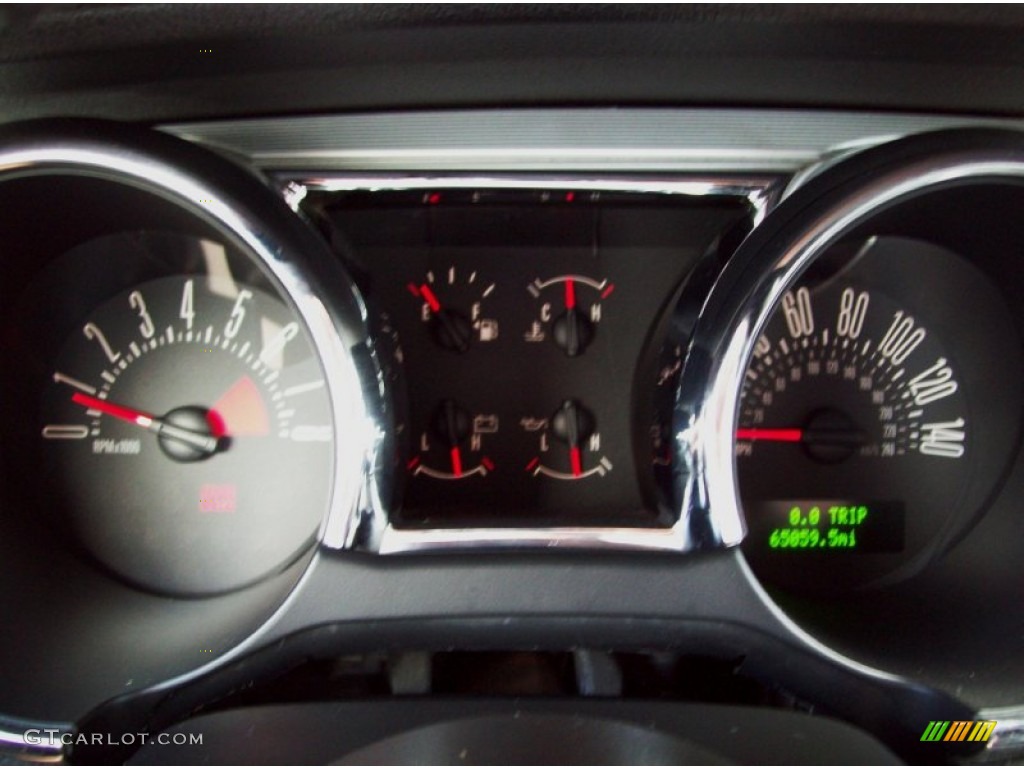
{"points": [[815, 526]]}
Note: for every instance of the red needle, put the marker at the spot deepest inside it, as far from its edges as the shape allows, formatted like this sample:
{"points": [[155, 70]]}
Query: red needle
{"points": [[206, 443], [139, 418], [774, 435], [456, 462], [576, 460], [570, 294], [432, 302]]}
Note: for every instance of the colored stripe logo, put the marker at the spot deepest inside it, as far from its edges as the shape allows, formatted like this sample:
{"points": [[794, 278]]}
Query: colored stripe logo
{"points": [[958, 730]]}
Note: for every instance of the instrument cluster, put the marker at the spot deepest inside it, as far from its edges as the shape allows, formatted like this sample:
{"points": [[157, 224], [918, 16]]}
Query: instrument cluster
{"points": [[215, 394]]}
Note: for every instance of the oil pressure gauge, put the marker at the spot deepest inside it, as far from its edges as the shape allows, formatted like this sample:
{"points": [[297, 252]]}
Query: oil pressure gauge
{"points": [[568, 444]]}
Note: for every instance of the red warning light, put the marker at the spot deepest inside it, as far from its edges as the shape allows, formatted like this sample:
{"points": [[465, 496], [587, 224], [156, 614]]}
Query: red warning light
{"points": [[434, 198], [570, 196], [217, 498]]}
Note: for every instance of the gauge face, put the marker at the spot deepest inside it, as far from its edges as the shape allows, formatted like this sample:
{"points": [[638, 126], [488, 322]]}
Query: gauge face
{"points": [[570, 311], [188, 422], [519, 331], [569, 445], [863, 443], [453, 308], [451, 444]]}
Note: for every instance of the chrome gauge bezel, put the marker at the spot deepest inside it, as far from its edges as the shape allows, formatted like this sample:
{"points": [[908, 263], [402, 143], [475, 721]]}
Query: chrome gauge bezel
{"points": [[750, 290], [689, 531], [334, 326]]}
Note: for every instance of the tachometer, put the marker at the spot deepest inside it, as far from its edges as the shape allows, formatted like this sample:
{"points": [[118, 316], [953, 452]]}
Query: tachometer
{"points": [[190, 432]]}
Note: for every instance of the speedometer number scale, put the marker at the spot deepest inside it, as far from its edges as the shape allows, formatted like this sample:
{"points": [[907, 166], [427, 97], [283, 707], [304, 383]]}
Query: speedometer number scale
{"points": [[852, 429], [885, 390]]}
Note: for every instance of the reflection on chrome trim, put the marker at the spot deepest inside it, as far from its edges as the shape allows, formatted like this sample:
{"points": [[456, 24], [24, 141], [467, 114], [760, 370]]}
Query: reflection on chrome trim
{"points": [[396, 540], [761, 192], [631, 140], [724, 338], [703, 530], [353, 433], [22, 741], [334, 327], [1006, 744]]}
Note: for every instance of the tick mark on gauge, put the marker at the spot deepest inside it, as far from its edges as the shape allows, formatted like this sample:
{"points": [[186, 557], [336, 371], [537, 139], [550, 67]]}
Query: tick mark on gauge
{"points": [[60, 378]]}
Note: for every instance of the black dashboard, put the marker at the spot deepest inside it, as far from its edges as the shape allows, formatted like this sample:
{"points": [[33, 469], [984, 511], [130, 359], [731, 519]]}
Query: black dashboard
{"points": [[458, 384]]}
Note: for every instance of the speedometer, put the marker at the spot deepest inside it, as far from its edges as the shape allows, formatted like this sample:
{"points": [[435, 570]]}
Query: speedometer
{"points": [[863, 438]]}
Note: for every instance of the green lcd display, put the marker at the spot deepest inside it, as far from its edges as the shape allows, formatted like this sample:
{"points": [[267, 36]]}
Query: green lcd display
{"points": [[830, 525]]}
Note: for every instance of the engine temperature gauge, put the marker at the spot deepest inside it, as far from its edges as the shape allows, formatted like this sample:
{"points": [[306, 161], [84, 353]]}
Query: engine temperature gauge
{"points": [[570, 311]]}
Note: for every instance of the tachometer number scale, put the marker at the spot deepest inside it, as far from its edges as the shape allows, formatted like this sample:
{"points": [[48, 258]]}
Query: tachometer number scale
{"points": [[182, 416]]}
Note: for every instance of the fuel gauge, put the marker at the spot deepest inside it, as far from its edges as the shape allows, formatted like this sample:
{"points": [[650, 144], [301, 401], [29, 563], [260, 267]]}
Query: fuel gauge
{"points": [[453, 308]]}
